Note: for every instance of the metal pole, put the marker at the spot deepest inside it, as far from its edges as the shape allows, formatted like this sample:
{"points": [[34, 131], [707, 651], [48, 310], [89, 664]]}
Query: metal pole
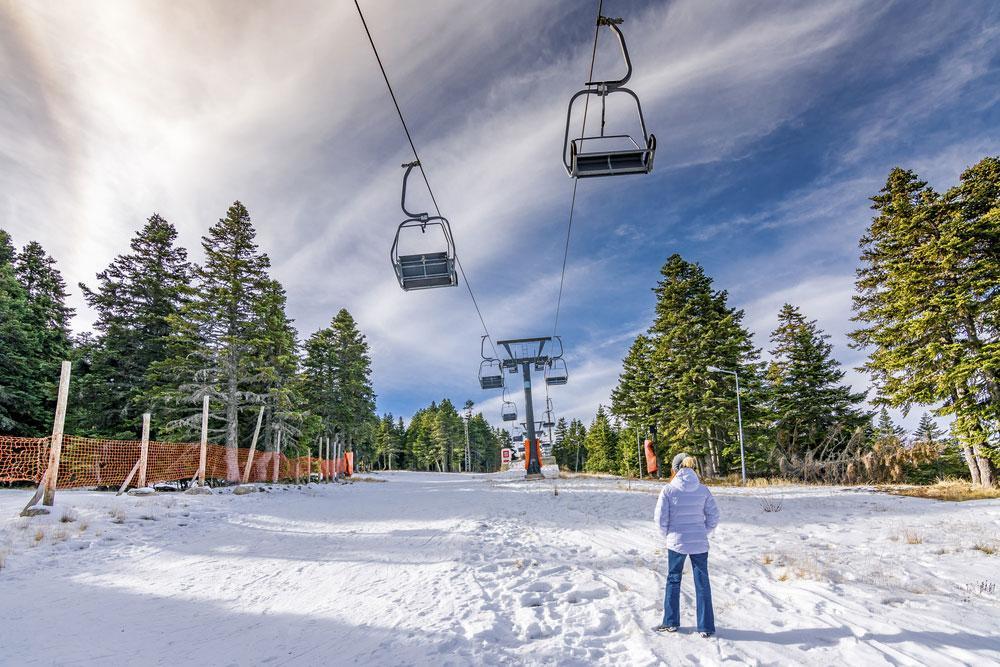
{"points": [[638, 444], [739, 417], [468, 455], [534, 466]]}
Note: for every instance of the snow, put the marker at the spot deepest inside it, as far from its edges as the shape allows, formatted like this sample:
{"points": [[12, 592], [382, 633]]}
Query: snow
{"points": [[435, 569]]}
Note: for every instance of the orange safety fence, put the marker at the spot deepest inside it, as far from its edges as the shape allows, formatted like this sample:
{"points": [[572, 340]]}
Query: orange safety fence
{"points": [[88, 462]]}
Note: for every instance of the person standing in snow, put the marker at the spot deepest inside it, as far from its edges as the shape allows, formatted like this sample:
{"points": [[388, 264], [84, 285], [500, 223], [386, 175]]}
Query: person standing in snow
{"points": [[686, 514]]}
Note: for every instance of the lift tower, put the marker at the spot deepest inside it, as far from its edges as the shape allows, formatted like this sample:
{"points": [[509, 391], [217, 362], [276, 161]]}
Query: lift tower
{"points": [[525, 353]]}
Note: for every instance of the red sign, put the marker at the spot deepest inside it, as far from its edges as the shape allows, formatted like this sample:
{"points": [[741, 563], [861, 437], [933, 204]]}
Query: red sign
{"points": [[505, 455]]}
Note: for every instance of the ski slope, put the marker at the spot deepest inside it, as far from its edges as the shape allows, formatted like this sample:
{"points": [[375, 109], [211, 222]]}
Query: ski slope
{"points": [[433, 569]]}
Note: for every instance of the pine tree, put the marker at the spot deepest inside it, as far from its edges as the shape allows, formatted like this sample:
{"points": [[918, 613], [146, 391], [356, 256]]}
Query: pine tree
{"points": [[135, 299], [926, 303], [601, 444], [214, 341], [561, 447], [691, 407], [22, 383], [810, 407], [35, 332], [885, 428], [337, 377], [927, 430]]}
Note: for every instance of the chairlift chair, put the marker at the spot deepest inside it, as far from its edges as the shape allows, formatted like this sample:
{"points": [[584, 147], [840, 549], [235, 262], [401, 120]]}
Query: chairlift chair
{"points": [[429, 269], [556, 373], [508, 411], [585, 160], [490, 374]]}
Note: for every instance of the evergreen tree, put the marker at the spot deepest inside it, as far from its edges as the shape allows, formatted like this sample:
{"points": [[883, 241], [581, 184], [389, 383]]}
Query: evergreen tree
{"points": [[927, 430], [34, 337], [23, 385], [214, 343], [575, 446], [601, 444], [135, 299], [337, 377], [927, 307], [691, 407], [810, 407], [560, 448], [886, 428]]}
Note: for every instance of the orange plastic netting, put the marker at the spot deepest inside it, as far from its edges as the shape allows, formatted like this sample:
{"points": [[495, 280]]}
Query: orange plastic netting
{"points": [[86, 462]]}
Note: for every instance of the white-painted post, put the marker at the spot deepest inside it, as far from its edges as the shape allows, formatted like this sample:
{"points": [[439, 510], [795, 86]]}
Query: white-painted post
{"points": [[144, 450], [253, 446], [277, 455], [203, 456], [55, 451]]}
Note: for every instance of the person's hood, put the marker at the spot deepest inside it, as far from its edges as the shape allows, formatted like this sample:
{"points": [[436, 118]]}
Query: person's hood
{"points": [[686, 480]]}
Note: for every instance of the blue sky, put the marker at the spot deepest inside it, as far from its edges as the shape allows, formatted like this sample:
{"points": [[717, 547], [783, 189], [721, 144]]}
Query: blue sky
{"points": [[775, 122]]}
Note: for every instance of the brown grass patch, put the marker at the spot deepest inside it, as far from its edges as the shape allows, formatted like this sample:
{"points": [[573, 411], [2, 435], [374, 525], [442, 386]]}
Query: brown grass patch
{"points": [[913, 538], [988, 549], [949, 489]]}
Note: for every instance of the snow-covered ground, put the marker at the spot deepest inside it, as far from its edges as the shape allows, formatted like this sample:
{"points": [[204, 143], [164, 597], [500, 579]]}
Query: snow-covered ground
{"points": [[483, 569]]}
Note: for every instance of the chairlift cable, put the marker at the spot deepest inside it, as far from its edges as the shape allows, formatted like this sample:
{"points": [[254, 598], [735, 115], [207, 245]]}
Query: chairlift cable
{"points": [[576, 182], [423, 173]]}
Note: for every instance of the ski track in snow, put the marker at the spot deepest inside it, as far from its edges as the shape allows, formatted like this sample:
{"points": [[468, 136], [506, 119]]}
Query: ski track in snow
{"points": [[433, 569]]}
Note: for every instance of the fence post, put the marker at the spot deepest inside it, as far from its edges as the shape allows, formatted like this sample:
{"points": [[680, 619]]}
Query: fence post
{"points": [[203, 456], [144, 450], [277, 456], [253, 446], [55, 451]]}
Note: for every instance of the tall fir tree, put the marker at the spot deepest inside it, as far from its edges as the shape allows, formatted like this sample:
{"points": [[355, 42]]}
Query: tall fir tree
{"points": [[926, 303], [886, 428], [601, 443], [37, 336], [23, 384], [811, 408], [135, 299], [666, 382], [337, 382], [214, 342]]}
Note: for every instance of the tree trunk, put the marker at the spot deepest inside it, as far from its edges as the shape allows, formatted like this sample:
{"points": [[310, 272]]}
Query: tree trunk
{"points": [[970, 460], [986, 477]]}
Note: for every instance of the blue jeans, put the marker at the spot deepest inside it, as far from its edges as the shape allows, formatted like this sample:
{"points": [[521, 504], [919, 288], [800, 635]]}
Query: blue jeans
{"points": [[702, 590]]}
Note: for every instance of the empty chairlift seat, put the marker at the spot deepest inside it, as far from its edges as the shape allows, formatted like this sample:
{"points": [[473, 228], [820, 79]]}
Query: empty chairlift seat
{"points": [[490, 374], [608, 154], [423, 270], [556, 373], [508, 411]]}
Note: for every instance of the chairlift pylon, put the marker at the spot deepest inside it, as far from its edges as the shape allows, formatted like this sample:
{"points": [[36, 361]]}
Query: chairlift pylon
{"points": [[429, 269], [598, 159]]}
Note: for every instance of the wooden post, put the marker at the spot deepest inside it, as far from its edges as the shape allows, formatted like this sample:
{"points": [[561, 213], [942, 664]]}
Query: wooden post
{"points": [[128, 479], [55, 451], [253, 446], [277, 456], [203, 457], [144, 450]]}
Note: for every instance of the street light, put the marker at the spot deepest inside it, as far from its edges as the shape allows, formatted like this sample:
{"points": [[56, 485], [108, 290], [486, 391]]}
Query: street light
{"points": [[739, 416]]}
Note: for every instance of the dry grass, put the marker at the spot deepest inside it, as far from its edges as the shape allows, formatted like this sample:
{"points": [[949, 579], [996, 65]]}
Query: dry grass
{"points": [[60, 536], [67, 517], [374, 480], [39, 535], [783, 576], [948, 489], [988, 549], [767, 559], [913, 538], [117, 515]]}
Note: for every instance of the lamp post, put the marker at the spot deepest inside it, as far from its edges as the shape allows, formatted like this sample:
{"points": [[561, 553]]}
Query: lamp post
{"points": [[739, 417]]}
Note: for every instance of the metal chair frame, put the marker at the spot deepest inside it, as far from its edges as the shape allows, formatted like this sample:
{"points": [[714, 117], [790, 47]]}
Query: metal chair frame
{"points": [[428, 266], [574, 150]]}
